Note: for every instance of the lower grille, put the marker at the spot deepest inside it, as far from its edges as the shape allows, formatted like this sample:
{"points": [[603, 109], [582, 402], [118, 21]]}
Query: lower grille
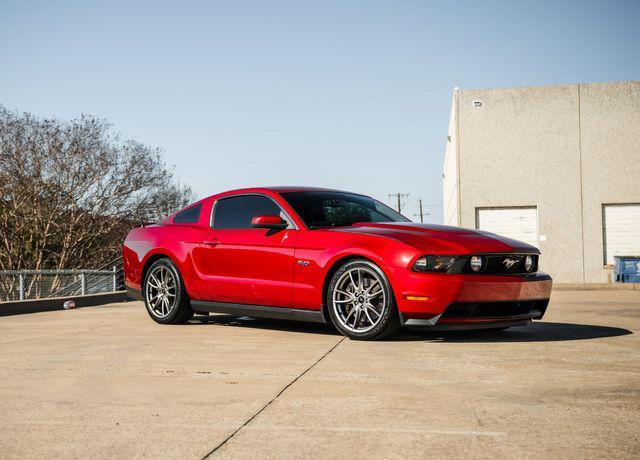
{"points": [[533, 308]]}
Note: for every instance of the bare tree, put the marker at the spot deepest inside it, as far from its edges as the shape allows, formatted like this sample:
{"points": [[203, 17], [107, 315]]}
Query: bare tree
{"points": [[69, 191]]}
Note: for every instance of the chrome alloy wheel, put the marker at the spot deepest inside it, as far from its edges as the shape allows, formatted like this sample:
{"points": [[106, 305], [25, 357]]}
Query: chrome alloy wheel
{"points": [[359, 299], [161, 291]]}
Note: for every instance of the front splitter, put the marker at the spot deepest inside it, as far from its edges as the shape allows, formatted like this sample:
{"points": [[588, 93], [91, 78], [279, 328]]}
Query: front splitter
{"points": [[478, 326]]}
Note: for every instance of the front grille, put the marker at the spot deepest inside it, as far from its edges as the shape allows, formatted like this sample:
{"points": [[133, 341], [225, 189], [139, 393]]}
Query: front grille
{"points": [[509, 309], [502, 264]]}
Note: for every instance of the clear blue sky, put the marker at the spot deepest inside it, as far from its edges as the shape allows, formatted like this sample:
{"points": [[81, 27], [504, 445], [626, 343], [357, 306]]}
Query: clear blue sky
{"points": [[347, 94]]}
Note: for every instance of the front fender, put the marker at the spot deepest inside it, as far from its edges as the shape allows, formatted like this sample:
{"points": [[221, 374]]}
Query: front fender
{"points": [[319, 253]]}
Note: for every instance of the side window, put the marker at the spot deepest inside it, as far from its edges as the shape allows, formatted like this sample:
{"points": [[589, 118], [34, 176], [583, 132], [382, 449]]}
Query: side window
{"points": [[237, 212], [188, 216]]}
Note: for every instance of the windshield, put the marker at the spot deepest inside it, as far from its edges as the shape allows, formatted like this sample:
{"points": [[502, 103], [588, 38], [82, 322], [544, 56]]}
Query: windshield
{"points": [[338, 209]]}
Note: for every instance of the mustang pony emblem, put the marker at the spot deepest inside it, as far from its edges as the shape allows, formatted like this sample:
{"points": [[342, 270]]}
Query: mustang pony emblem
{"points": [[508, 263]]}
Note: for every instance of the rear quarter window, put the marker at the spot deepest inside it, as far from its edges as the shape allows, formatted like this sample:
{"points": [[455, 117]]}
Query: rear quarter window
{"points": [[188, 216]]}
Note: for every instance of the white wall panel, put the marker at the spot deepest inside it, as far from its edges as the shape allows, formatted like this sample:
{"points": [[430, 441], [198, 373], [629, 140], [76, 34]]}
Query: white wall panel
{"points": [[518, 223]]}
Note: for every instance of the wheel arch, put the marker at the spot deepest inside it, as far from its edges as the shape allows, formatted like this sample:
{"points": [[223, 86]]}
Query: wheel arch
{"points": [[150, 260], [335, 266]]}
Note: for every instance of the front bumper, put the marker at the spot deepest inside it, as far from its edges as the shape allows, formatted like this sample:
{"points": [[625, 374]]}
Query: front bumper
{"points": [[471, 301]]}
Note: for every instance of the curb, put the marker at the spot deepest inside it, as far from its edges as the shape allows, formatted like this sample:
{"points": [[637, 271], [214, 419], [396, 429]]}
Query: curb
{"points": [[598, 287], [40, 305]]}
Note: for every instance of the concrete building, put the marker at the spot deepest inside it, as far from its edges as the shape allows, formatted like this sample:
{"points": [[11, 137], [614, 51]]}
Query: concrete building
{"points": [[555, 166]]}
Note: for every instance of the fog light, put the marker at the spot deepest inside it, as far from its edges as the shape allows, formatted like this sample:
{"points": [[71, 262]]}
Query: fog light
{"points": [[476, 263], [528, 263]]}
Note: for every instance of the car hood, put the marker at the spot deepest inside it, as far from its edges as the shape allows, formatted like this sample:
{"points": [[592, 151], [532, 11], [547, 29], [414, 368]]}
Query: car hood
{"points": [[440, 238]]}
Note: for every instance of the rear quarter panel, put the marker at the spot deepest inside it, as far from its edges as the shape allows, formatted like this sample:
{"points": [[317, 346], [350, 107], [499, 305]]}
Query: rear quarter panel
{"points": [[144, 244]]}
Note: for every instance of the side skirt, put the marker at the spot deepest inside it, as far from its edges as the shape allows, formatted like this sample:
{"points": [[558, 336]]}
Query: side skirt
{"points": [[134, 294], [258, 311]]}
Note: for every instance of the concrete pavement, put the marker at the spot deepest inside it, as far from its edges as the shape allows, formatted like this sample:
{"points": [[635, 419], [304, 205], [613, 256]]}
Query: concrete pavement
{"points": [[108, 382]]}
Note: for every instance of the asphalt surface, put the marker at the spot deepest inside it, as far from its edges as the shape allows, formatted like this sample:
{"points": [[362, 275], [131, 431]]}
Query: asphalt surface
{"points": [[107, 382]]}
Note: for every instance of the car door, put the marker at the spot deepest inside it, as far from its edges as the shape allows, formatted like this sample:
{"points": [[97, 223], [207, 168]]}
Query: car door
{"points": [[246, 265]]}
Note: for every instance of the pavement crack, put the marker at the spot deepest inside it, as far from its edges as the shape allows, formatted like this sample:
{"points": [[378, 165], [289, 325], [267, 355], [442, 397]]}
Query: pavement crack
{"points": [[228, 438], [478, 420]]}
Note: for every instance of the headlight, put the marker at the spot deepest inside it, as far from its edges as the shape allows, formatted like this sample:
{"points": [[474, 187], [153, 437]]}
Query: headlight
{"points": [[528, 263], [476, 263], [434, 263]]}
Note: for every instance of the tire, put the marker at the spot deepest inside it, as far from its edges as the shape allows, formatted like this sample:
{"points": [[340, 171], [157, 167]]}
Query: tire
{"points": [[353, 300], [163, 281]]}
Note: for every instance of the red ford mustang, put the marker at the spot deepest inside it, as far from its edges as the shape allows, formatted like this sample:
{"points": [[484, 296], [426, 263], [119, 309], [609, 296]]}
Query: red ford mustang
{"points": [[334, 257]]}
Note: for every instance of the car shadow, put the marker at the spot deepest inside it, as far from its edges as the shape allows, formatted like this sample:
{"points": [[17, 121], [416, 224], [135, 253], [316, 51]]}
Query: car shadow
{"points": [[536, 332], [264, 323]]}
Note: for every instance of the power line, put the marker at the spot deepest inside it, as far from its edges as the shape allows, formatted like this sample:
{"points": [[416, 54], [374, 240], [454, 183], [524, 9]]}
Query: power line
{"points": [[420, 211], [401, 199]]}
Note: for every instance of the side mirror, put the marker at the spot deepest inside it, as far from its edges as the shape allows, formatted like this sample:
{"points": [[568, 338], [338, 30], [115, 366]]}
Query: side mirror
{"points": [[273, 222]]}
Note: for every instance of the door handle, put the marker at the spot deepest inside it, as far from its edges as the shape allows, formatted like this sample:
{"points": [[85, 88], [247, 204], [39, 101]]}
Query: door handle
{"points": [[211, 242]]}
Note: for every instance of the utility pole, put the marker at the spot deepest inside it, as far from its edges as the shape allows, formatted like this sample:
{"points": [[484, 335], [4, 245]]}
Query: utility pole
{"points": [[399, 197], [421, 212]]}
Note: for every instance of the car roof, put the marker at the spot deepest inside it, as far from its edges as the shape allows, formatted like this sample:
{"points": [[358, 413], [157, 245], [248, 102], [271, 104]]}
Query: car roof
{"points": [[273, 189], [283, 189]]}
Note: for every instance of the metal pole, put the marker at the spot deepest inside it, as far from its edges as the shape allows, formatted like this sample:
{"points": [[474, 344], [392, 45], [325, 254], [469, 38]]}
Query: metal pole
{"points": [[421, 215], [115, 281], [398, 202], [21, 285], [83, 286]]}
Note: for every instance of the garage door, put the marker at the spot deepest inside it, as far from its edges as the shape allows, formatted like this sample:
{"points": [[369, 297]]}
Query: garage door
{"points": [[621, 229], [518, 223]]}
